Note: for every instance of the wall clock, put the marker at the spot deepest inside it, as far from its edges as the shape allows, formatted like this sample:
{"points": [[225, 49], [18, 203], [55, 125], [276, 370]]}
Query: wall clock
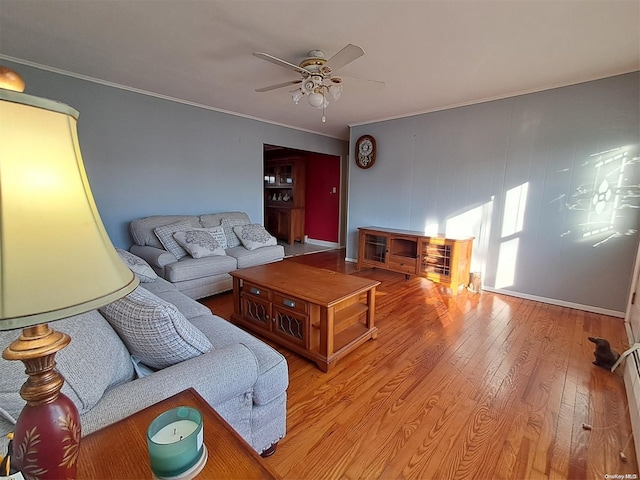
{"points": [[365, 151]]}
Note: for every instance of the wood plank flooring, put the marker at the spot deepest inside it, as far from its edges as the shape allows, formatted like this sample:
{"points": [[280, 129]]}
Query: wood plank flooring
{"points": [[477, 386]]}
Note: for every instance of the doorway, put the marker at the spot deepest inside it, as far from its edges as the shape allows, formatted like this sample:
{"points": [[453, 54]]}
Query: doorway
{"points": [[323, 197]]}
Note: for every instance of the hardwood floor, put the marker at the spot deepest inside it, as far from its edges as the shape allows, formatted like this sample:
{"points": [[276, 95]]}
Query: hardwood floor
{"points": [[477, 386]]}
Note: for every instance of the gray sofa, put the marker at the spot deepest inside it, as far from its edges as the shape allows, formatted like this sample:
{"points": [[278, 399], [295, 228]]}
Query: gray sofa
{"points": [[199, 277], [244, 379]]}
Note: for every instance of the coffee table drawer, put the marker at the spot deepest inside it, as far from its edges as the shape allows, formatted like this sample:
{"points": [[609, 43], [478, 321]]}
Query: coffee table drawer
{"points": [[291, 303], [256, 290]]}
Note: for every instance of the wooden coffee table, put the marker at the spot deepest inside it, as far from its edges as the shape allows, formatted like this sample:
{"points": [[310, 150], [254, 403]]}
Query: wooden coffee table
{"points": [[319, 314], [120, 450]]}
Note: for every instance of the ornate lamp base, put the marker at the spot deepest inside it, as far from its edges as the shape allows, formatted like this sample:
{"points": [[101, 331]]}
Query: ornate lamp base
{"points": [[47, 435], [46, 440]]}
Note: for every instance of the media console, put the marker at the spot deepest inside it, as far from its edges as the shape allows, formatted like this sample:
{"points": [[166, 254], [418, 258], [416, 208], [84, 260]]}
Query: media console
{"points": [[438, 258]]}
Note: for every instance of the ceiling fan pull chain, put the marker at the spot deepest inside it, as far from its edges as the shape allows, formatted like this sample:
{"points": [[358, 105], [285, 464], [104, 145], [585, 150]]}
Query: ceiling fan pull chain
{"points": [[324, 119]]}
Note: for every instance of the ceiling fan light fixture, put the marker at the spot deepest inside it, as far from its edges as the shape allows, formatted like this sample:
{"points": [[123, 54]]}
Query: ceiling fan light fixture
{"points": [[315, 99], [296, 95], [318, 80], [336, 92], [308, 86]]}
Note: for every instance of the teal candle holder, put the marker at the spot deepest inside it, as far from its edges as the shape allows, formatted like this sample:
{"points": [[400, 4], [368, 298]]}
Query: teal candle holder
{"points": [[176, 444]]}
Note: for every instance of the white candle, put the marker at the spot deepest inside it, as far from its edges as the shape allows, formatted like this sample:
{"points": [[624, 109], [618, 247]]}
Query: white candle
{"points": [[174, 432]]}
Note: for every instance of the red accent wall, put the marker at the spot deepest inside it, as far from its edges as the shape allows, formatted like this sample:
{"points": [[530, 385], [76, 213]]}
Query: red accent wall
{"points": [[322, 206]]}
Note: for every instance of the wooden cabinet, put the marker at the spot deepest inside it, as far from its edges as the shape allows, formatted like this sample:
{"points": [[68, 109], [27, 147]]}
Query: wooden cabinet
{"points": [[285, 223], [284, 191], [443, 260]]}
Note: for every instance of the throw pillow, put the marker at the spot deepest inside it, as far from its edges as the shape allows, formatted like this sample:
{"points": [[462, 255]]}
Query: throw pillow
{"points": [[199, 243], [153, 330], [218, 234], [228, 224], [142, 269], [165, 235], [254, 236]]}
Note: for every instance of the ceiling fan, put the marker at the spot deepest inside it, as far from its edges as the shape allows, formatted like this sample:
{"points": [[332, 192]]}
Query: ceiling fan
{"points": [[318, 78]]}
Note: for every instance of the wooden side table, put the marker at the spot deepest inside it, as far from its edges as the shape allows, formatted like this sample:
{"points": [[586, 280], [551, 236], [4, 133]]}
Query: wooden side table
{"points": [[120, 450]]}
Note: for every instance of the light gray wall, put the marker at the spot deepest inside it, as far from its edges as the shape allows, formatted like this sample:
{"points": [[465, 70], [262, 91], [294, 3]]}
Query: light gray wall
{"points": [[148, 156], [450, 172], [145, 155]]}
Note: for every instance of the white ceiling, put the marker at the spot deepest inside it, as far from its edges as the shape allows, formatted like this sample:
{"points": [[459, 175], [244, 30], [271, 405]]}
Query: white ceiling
{"points": [[430, 54]]}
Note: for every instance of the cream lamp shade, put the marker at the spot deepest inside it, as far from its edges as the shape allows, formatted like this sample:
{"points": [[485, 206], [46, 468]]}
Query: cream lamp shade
{"points": [[56, 259]]}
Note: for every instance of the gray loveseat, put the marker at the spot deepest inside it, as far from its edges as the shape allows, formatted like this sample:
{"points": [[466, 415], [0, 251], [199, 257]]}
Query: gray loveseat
{"points": [[244, 379], [208, 275]]}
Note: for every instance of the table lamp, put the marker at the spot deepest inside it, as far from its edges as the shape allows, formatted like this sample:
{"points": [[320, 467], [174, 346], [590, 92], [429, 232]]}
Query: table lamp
{"points": [[56, 261]]}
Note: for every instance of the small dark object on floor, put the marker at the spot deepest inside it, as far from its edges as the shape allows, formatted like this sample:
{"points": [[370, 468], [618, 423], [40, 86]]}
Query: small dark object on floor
{"points": [[605, 356]]}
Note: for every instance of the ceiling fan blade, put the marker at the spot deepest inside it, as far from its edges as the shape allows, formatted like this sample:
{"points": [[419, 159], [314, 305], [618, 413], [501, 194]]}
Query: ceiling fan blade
{"points": [[282, 63], [370, 85], [280, 85], [345, 56]]}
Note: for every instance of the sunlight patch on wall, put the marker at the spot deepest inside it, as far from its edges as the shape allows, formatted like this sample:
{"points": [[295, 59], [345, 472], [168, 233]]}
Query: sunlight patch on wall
{"points": [[606, 203], [514, 205], [512, 224], [475, 222], [507, 259], [431, 228], [464, 224]]}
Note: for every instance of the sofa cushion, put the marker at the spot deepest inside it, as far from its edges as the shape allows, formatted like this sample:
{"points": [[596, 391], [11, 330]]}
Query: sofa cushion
{"points": [[254, 236], [219, 375], [154, 330], [199, 243], [228, 224], [206, 286], [142, 229], [160, 286], [189, 307], [137, 265], [250, 258], [188, 268], [85, 381], [165, 235]]}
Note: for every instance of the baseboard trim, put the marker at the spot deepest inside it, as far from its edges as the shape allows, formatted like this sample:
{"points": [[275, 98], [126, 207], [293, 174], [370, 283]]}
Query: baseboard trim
{"points": [[553, 301], [323, 243]]}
